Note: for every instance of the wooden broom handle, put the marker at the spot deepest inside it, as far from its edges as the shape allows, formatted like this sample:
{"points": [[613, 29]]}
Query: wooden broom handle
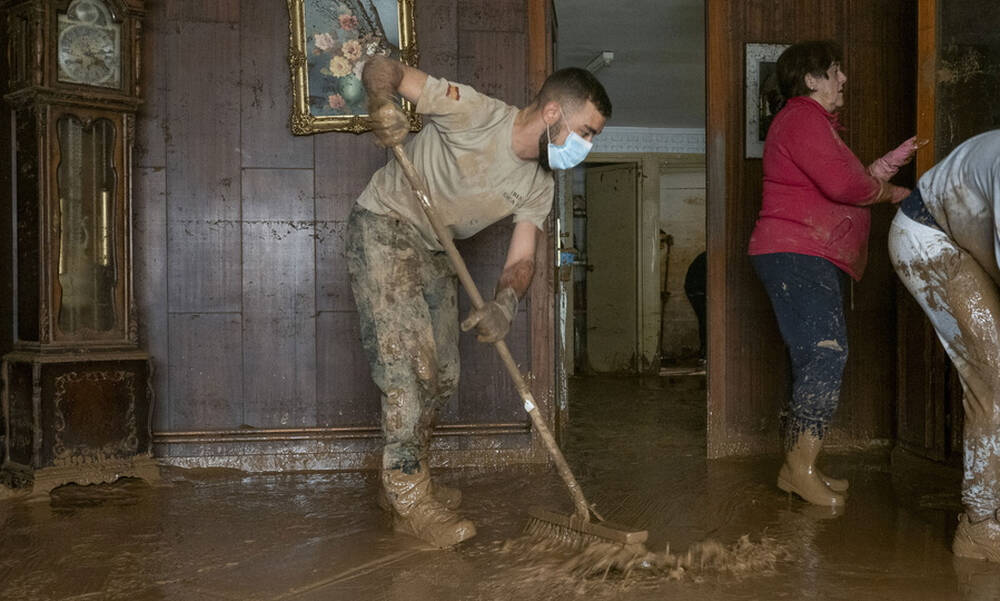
{"points": [[583, 509]]}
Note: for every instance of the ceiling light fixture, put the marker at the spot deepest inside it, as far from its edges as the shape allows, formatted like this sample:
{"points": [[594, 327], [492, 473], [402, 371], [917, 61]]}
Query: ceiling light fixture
{"points": [[600, 61]]}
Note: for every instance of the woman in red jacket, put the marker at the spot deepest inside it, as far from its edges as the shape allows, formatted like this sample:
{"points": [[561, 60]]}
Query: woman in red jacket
{"points": [[811, 231]]}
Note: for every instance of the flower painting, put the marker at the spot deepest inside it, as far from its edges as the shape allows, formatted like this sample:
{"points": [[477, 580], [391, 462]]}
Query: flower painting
{"points": [[330, 42]]}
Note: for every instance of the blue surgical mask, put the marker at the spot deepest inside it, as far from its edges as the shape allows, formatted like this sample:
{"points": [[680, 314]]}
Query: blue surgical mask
{"points": [[571, 153]]}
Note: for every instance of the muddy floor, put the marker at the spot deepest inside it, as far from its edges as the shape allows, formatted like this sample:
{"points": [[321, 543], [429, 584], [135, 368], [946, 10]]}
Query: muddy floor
{"points": [[717, 530]]}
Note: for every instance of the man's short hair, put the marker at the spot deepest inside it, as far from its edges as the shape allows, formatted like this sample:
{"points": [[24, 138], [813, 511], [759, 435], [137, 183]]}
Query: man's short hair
{"points": [[573, 87], [798, 60]]}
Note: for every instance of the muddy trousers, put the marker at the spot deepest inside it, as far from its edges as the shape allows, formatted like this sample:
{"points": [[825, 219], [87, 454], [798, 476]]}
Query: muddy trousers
{"points": [[963, 303], [407, 303], [806, 294]]}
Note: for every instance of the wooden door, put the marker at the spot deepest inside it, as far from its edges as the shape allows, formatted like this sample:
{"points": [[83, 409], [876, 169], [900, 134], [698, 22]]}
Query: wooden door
{"points": [[612, 290]]}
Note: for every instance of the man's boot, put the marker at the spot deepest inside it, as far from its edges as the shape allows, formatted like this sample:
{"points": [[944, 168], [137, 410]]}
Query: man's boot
{"points": [[450, 497], [979, 540], [417, 513], [799, 475]]}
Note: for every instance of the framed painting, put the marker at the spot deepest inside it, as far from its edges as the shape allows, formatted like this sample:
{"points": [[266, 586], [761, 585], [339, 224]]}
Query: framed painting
{"points": [[328, 44], [762, 96]]}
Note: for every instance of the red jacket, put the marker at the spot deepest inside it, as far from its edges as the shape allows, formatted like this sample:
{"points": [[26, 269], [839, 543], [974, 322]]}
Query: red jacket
{"points": [[816, 191]]}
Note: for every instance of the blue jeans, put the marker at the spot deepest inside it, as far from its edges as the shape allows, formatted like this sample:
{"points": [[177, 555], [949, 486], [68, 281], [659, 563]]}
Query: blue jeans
{"points": [[806, 294]]}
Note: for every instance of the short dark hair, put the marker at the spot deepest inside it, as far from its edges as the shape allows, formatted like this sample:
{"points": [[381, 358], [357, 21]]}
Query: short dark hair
{"points": [[574, 87], [798, 60]]}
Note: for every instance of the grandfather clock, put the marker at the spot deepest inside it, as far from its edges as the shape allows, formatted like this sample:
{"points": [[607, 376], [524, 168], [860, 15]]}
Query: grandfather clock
{"points": [[76, 392]]}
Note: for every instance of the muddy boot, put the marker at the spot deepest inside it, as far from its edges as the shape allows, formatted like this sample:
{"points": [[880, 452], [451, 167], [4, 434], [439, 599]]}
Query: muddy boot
{"points": [[979, 540], [450, 497], [834, 484], [799, 475], [417, 513]]}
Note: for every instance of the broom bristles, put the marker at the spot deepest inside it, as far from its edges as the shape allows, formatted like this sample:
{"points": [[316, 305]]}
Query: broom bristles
{"points": [[573, 532]]}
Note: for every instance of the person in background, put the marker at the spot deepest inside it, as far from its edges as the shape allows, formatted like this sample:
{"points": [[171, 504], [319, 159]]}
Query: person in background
{"points": [[945, 243], [694, 289], [812, 230]]}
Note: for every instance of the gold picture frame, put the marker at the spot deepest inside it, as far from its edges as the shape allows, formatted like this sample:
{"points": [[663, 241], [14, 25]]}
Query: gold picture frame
{"points": [[328, 43]]}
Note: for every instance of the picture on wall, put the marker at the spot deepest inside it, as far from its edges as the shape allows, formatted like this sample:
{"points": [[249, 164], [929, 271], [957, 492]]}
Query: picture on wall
{"points": [[762, 96], [329, 43]]}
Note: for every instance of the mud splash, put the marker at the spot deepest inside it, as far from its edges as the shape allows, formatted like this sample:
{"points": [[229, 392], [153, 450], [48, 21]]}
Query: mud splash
{"points": [[625, 563]]}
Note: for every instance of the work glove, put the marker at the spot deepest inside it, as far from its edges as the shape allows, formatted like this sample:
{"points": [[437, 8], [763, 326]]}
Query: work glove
{"points": [[492, 320], [886, 166], [388, 121]]}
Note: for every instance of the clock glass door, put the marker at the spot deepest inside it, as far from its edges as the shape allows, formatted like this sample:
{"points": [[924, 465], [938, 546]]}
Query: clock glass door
{"points": [[86, 186]]}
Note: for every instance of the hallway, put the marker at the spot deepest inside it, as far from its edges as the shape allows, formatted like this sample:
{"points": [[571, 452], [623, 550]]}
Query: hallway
{"points": [[637, 446]]}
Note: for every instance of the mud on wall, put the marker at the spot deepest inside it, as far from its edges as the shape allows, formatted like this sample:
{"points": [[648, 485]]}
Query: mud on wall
{"points": [[968, 71]]}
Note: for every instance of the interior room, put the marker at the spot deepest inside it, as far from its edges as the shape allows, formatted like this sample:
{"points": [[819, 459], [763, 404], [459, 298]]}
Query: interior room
{"points": [[189, 408]]}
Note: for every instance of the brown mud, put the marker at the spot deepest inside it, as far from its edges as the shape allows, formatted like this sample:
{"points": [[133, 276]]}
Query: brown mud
{"points": [[718, 530]]}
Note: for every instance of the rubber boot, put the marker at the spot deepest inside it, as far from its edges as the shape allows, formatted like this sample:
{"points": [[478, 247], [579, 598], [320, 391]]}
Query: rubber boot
{"points": [[799, 475], [979, 540], [835, 484], [415, 512]]}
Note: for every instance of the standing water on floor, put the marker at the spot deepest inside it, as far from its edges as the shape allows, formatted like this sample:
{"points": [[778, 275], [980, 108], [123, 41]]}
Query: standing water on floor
{"points": [[717, 529]]}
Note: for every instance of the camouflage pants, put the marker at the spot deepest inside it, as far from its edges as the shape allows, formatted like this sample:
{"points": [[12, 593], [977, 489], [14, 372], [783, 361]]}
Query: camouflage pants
{"points": [[407, 301]]}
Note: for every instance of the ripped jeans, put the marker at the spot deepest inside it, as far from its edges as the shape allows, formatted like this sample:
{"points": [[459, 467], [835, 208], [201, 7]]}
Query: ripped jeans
{"points": [[407, 299], [806, 294]]}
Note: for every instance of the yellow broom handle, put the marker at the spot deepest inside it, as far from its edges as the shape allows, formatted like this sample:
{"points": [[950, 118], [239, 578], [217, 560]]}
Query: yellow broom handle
{"points": [[444, 236]]}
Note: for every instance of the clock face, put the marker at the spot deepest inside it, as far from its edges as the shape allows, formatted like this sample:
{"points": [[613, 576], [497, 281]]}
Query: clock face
{"points": [[89, 55]]}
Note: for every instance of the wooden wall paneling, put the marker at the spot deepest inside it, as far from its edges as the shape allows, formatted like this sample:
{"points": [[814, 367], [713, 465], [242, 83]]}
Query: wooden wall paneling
{"points": [[265, 97], [205, 371], [203, 167], [7, 256], [150, 141], [344, 164], [345, 393], [149, 233], [967, 73], [436, 37], [484, 388], [493, 15], [279, 299], [486, 62], [199, 11]]}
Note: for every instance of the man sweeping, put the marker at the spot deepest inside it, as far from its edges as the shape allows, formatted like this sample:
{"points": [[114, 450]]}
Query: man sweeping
{"points": [[945, 245], [482, 160]]}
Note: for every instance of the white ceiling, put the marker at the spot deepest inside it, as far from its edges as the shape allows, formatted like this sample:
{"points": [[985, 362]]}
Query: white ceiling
{"points": [[657, 78]]}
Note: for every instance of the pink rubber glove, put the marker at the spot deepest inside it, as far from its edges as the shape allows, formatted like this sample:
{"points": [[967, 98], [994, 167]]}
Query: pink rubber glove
{"points": [[887, 166]]}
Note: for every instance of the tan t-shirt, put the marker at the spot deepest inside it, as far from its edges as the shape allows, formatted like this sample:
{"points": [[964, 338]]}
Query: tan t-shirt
{"points": [[465, 155]]}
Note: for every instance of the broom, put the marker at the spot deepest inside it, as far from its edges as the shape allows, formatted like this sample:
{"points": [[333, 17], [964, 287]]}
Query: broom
{"points": [[576, 529]]}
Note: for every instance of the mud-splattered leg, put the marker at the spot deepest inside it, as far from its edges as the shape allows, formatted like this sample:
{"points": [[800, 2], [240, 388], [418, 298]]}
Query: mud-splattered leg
{"points": [[391, 274], [807, 298], [963, 303]]}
